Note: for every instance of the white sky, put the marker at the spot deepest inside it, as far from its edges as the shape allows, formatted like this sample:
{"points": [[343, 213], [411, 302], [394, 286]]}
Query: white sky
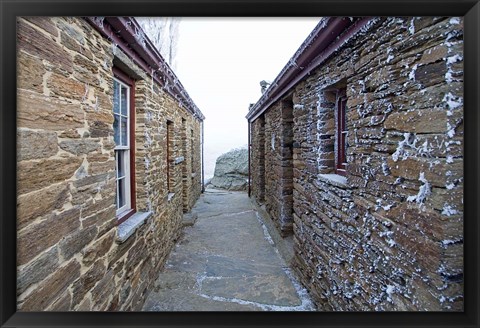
{"points": [[221, 61]]}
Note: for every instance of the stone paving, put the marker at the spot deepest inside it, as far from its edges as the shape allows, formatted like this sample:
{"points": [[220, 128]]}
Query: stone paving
{"points": [[226, 261]]}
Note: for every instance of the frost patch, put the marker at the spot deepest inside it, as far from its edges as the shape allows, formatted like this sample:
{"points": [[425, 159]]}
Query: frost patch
{"points": [[385, 169], [454, 21], [411, 75], [447, 242], [452, 101], [411, 29], [450, 186], [408, 141], [451, 130], [454, 59], [390, 290], [423, 192], [448, 210], [148, 139], [387, 207]]}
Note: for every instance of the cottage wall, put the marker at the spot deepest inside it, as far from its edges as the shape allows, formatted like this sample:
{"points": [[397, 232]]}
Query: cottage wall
{"points": [[69, 254], [388, 236]]}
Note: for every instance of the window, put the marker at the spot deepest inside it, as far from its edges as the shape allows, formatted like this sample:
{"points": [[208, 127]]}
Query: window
{"points": [[341, 127], [124, 134]]}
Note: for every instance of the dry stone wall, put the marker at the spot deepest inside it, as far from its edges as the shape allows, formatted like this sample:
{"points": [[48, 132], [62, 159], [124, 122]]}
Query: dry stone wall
{"points": [[69, 256], [388, 236], [278, 166]]}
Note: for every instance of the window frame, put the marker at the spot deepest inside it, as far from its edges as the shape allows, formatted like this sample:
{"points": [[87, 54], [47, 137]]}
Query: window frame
{"points": [[129, 208], [341, 132]]}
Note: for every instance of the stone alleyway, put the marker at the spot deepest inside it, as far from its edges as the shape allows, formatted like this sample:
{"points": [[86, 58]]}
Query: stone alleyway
{"points": [[226, 261]]}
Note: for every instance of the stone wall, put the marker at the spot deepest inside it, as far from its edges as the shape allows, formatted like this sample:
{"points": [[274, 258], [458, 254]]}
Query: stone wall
{"points": [[69, 255], [257, 159], [389, 235], [278, 166]]}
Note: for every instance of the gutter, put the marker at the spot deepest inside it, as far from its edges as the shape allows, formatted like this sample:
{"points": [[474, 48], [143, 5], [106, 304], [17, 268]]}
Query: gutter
{"points": [[326, 38], [127, 34]]}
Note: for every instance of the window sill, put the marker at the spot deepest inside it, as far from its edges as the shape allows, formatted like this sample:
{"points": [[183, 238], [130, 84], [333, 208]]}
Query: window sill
{"points": [[170, 196], [127, 228], [334, 179]]}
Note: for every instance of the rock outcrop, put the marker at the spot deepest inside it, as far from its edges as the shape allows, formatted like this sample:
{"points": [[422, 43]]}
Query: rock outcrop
{"points": [[231, 170]]}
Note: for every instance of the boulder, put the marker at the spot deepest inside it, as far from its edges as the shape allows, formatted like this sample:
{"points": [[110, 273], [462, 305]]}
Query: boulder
{"points": [[231, 171]]}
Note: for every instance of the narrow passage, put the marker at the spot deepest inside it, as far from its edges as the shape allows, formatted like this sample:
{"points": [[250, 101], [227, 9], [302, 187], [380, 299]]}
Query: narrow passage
{"points": [[226, 261]]}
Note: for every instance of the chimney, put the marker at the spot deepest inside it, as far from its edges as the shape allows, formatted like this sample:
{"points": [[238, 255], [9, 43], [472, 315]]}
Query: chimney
{"points": [[264, 84]]}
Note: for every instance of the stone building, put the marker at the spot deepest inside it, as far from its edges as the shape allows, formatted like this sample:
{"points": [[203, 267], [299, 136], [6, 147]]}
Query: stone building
{"points": [[356, 149], [109, 158]]}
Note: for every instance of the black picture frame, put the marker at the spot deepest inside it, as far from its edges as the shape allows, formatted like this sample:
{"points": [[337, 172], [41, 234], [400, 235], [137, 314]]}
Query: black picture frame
{"points": [[10, 9]]}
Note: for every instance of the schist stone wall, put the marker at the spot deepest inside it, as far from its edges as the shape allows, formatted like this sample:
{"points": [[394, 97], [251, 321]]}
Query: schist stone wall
{"points": [[388, 235], [69, 253]]}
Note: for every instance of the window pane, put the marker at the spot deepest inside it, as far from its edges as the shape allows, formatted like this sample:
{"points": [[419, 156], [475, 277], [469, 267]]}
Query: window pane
{"points": [[121, 192], [124, 101], [116, 130], [123, 124], [116, 100], [120, 164]]}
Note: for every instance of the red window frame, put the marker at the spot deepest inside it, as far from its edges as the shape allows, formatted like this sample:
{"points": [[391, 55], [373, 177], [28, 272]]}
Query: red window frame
{"points": [[341, 106], [123, 77]]}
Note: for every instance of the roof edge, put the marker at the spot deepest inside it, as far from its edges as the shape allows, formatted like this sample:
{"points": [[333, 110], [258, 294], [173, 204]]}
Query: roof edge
{"points": [[127, 33], [328, 36]]}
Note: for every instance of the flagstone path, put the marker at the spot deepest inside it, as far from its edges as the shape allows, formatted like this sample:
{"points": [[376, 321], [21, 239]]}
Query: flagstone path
{"points": [[226, 261]]}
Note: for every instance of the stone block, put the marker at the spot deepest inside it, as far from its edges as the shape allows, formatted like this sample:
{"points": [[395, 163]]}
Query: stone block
{"points": [[37, 111], [435, 171], [52, 288], [431, 74], [36, 204], [103, 289], [97, 208], [34, 175], [36, 238], [44, 23], [99, 248], [453, 263], [66, 87], [30, 72], [136, 254], [434, 54], [35, 144], [418, 121], [37, 270], [86, 282], [31, 40], [80, 147], [99, 129], [74, 243], [63, 303], [86, 63]]}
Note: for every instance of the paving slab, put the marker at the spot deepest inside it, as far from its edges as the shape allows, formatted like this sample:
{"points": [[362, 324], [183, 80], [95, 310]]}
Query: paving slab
{"points": [[226, 261]]}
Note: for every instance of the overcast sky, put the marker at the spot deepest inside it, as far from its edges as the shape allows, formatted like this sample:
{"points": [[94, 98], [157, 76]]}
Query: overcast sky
{"points": [[221, 61]]}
